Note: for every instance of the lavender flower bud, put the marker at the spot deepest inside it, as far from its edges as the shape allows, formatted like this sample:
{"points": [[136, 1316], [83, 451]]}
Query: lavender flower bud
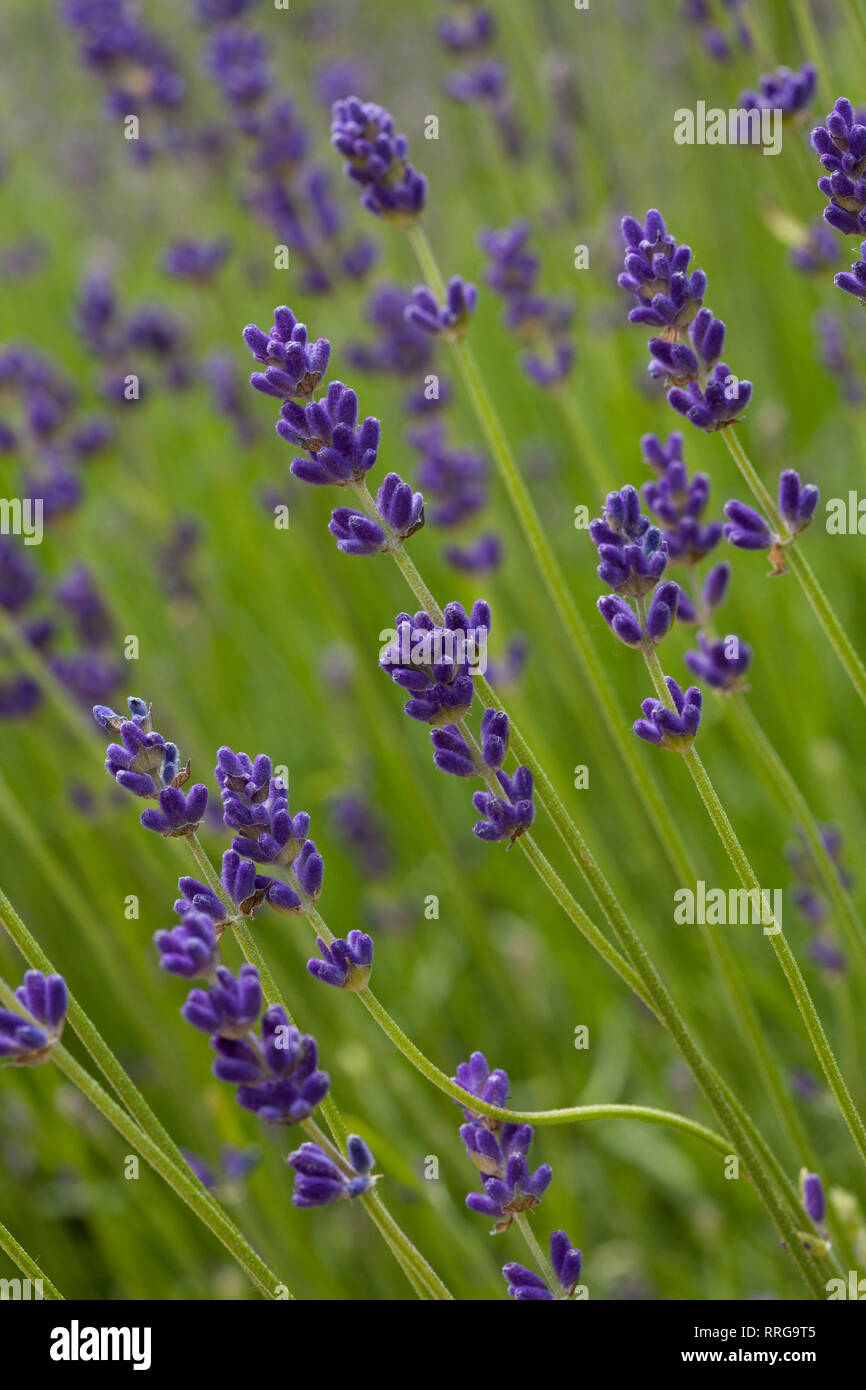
{"points": [[319, 1181], [449, 321], [356, 533], [507, 817], [400, 507], [621, 619], [190, 949], [46, 999], [673, 729], [229, 1008], [346, 964], [720, 664], [525, 1285], [720, 403], [478, 1080], [293, 367], [716, 585], [451, 752], [309, 869], [494, 738], [746, 528], [796, 503], [567, 1262], [812, 1193], [180, 812]]}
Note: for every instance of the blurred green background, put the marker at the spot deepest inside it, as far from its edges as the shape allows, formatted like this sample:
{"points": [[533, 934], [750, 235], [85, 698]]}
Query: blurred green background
{"points": [[243, 660]]}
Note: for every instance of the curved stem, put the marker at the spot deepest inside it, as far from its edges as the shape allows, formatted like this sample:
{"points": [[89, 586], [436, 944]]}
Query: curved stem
{"points": [[799, 565], [19, 1256]]}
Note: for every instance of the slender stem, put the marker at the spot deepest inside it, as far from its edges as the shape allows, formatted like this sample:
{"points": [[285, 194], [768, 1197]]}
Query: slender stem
{"points": [[183, 1182], [524, 1225], [423, 1276], [765, 1171], [787, 960], [410, 1259], [821, 606], [772, 928], [19, 1256]]}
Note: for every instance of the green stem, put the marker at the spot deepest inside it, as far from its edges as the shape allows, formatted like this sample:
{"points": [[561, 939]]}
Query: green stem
{"points": [[796, 561], [421, 1275], [791, 969], [182, 1182], [19, 1256], [524, 1225], [410, 1259], [773, 929]]}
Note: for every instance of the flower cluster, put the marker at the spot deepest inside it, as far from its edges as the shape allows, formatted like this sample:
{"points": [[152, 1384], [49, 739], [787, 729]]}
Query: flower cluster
{"points": [[783, 90], [709, 18], [810, 897], [137, 68], [485, 82], [148, 766], [450, 320], [533, 318], [841, 147], [339, 451], [675, 728], [377, 159], [435, 664], [677, 503], [320, 1180], [26, 1042], [749, 530], [670, 298], [509, 1188], [275, 1070]]}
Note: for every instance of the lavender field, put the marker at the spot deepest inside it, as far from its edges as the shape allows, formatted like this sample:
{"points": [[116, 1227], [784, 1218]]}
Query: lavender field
{"points": [[432, 686]]}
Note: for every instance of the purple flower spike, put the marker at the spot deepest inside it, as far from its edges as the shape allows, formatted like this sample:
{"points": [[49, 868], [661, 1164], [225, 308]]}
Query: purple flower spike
{"points": [[656, 272], [435, 664], [525, 1285], [506, 819], [673, 729], [180, 812], [797, 502], [567, 1262], [344, 964], [400, 507], [812, 1191], [377, 159], [309, 869], [190, 949], [198, 897], [449, 321], [783, 90], [720, 403], [721, 664], [46, 998], [229, 1008], [841, 147], [319, 1181], [356, 533], [293, 367], [746, 528], [478, 1080], [340, 450], [195, 260]]}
